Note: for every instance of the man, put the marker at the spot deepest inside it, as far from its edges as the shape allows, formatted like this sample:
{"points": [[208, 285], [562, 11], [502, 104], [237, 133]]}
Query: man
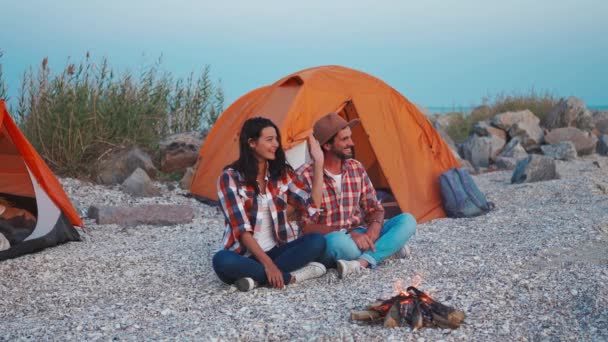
{"points": [[352, 218]]}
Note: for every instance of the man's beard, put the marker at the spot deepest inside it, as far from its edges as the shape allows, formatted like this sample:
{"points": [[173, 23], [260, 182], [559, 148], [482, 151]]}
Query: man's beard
{"points": [[344, 156]]}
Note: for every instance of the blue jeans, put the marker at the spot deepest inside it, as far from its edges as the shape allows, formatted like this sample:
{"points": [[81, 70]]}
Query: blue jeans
{"points": [[395, 233], [230, 266]]}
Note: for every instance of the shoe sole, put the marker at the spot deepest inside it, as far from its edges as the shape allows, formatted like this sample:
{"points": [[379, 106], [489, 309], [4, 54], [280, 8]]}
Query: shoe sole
{"points": [[245, 284], [340, 269]]}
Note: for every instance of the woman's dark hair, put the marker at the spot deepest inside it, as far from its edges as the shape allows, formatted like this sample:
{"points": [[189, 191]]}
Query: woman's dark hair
{"points": [[247, 164]]}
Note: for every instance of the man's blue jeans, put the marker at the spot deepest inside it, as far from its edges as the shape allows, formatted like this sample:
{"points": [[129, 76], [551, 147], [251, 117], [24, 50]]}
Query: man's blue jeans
{"points": [[289, 257], [395, 233]]}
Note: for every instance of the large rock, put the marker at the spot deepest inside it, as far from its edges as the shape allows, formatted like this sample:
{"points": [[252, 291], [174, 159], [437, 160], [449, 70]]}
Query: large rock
{"points": [[139, 184], [149, 214], [584, 142], [564, 150], [570, 113], [600, 120], [513, 150], [121, 165], [505, 120], [602, 145], [180, 151], [529, 133], [505, 163], [535, 168], [484, 129], [477, 150]]}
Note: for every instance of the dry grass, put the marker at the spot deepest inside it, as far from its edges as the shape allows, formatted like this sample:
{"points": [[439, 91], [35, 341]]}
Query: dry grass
{"points": [[539, 104], [74, 116]]}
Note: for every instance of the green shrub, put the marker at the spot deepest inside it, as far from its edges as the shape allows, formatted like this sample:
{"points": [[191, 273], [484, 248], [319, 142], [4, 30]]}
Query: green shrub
{"points": [[74, 117]]}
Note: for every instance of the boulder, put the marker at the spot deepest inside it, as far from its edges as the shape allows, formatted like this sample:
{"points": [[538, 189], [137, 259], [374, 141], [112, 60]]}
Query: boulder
{"points": [[513, 150], [564, 150], [602, 145], [484, 129], [121, 165], [535, 168], [477, 150], [505, 163], [570, 113], [149, 214], [180, 151], [600, 120], [140, 185], [584, 142], [529, 133], [505, 120]]}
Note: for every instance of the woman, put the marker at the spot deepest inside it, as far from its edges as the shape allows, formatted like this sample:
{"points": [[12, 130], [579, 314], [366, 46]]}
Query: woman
{"points": [[260, 246]]}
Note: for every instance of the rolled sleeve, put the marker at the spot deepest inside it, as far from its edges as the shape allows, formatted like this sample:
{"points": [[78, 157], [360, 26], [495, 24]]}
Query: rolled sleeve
{"points": [[299, 197], [232, 205]]}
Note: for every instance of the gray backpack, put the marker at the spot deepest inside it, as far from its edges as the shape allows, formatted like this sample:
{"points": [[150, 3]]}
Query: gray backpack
{"points": [[461, 196]]}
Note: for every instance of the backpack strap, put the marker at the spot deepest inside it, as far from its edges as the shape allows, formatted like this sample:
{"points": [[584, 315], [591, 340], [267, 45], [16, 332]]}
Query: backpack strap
{"points": [[466, 181]]}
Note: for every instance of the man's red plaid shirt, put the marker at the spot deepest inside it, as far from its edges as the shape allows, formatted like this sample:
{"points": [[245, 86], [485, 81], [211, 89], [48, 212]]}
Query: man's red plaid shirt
{"points": [[350, 207]]}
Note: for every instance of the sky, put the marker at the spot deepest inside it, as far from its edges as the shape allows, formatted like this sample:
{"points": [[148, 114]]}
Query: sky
{"points": [[437, 53]]}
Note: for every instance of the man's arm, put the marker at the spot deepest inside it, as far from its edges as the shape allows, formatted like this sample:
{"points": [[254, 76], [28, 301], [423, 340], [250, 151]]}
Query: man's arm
{"points": [[374, 212]]}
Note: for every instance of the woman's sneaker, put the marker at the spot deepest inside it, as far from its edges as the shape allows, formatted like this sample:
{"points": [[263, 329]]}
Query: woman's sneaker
{"points": [[310, 271], [246, 284], [346, 267]]}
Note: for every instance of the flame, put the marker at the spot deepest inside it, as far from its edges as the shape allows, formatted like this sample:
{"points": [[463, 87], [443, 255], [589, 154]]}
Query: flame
{"points": [[398, 286], [416, 280]]}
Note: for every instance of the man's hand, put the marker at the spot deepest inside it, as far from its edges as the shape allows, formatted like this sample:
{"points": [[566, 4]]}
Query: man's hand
{"points": [[274, 275], [315, 150], [363, 241]]}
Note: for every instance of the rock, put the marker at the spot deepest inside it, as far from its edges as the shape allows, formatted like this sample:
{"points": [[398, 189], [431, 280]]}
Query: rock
{"points": [[180, 151], [187, 179], [122, 164], [564, 150], [505, 120], [477, 150], [584, 142], [570, 113], [139, 184], [535, 168], [600, 120], [484, 129], [505, 163], [513, 150], [529, 133], [602, 145], [444, 121], [149, 214]]}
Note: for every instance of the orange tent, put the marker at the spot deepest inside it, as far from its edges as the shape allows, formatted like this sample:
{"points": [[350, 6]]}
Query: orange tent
{"points": [[395, 142], [27, 182]]}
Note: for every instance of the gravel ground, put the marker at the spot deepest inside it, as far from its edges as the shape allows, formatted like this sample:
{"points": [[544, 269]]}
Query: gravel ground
{"points": [[536, 268]]}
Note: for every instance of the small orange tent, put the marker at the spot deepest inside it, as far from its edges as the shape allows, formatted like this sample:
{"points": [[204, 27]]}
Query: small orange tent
{"points": [[395, 142], [27, 182]]}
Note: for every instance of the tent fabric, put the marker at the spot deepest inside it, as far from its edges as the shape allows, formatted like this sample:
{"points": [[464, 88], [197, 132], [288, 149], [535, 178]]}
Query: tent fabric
{"points": [[395, 142], [37, 166], [28, 183]]}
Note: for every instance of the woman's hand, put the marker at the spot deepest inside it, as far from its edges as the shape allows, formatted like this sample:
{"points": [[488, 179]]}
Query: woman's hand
{"points": [[316, 153], [274, 275]]}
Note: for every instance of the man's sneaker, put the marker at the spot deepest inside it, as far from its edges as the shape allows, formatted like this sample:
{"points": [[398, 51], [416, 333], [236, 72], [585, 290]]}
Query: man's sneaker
{"points": [[346, 267], [246, 284], [310, 271], [404, 252]]}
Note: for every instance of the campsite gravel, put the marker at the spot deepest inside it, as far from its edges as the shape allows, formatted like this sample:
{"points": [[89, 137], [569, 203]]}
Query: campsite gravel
{"points": [[536, 268]]}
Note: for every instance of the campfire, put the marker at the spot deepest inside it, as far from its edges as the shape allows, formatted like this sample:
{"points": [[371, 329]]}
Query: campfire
{"points": [[413, 308]]}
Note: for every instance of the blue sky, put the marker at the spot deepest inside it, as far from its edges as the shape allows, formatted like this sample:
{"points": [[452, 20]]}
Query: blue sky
{"points": [[436, 53]]}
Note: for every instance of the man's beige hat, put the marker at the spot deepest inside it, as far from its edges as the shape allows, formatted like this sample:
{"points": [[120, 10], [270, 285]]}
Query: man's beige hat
{"points": [[327, 126]]}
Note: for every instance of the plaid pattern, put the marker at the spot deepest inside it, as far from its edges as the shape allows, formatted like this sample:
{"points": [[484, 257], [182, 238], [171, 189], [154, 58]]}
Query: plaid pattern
{"points": [[357, 200], [240, 207]]}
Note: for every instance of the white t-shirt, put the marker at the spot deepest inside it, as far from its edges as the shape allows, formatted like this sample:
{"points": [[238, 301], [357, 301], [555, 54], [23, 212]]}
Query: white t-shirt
{"points": [[265, 237], [338, 180]]}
